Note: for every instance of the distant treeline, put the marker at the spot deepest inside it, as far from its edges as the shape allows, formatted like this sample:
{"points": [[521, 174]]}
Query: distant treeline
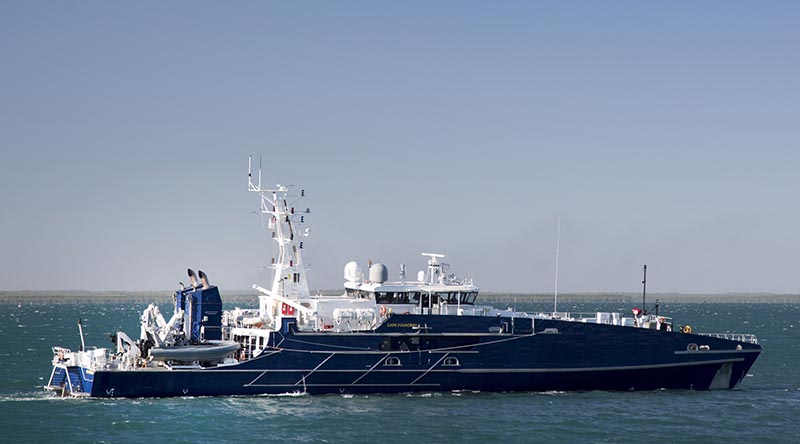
{"points": [[249, 297], [83, 296], [633, 298]]}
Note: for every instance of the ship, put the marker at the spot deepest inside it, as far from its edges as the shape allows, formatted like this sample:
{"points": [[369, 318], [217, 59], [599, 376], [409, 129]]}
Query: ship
{"points": [[423, 333]]}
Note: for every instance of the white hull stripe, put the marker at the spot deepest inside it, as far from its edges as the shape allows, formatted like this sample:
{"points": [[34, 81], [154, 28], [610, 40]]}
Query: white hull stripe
{"points": [[459, 370], [707, 352], [600, 369]]}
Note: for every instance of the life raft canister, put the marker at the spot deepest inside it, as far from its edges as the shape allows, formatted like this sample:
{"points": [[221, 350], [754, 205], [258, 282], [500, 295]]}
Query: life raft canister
{"points": [[287, 309]]}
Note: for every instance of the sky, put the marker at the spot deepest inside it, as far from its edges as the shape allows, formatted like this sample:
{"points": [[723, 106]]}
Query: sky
{"points": [[660, 133]]}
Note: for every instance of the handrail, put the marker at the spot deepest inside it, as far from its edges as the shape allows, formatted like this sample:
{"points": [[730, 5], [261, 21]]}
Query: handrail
{"points": [[589, 315], [739, 337]]}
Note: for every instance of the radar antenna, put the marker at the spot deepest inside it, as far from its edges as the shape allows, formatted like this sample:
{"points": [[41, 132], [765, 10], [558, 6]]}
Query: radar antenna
{"points": [[434, 267]]}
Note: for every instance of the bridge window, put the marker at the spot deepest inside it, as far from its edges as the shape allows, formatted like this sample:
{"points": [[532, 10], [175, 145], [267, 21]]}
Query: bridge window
{"points": [[400, 297], [392, 361], [449, 298], [394, 297], [383, 297], [468, 297], [451, 362], [361, 294]]}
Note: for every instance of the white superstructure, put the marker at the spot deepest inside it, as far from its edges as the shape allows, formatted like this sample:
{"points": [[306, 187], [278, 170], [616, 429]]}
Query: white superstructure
{"points": [[369, 298]]}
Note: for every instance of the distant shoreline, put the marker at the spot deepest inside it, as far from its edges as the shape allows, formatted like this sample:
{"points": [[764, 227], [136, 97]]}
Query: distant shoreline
{"points": [[250, 297]]}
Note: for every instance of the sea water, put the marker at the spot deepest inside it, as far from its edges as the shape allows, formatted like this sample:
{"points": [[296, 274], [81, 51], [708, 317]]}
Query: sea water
{"points": [[765, 408]]}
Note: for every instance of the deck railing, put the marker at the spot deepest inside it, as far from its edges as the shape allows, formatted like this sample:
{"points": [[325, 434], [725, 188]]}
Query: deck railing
{"points": [[738, 337], [647, 321]]}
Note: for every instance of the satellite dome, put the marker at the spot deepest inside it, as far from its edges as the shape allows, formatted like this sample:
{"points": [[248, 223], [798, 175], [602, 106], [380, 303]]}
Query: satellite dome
{"points": [[378, 273], [352, 272]]}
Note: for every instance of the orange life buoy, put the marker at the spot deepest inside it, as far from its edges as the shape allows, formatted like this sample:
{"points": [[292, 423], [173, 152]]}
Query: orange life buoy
{"points": [[383, 310]]}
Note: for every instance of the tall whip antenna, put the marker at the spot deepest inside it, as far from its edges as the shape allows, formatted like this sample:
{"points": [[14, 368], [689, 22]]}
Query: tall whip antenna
{"points": [[558, 247], [644, 289]]}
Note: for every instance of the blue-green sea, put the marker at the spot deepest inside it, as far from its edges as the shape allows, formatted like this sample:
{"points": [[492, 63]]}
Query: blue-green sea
{"points": [[765, 408]]}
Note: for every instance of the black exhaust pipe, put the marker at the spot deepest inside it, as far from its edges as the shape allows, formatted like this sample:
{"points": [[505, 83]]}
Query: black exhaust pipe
{"points": [[192, 277], [203, 278]]}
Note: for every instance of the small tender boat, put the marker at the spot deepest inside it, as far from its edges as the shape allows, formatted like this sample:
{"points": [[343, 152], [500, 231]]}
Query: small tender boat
{"points": [[213, 351]]}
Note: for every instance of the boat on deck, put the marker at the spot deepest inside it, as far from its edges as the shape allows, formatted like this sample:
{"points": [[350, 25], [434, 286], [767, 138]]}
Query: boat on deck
{"points": [[425, 333]]}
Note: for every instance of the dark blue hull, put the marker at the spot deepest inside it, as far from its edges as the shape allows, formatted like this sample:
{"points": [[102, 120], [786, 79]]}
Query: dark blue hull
{"points": [[411, 353]]}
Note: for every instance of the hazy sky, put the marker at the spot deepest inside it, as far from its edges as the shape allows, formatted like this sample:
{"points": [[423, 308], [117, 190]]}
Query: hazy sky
{"points": [[663, 133]]}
